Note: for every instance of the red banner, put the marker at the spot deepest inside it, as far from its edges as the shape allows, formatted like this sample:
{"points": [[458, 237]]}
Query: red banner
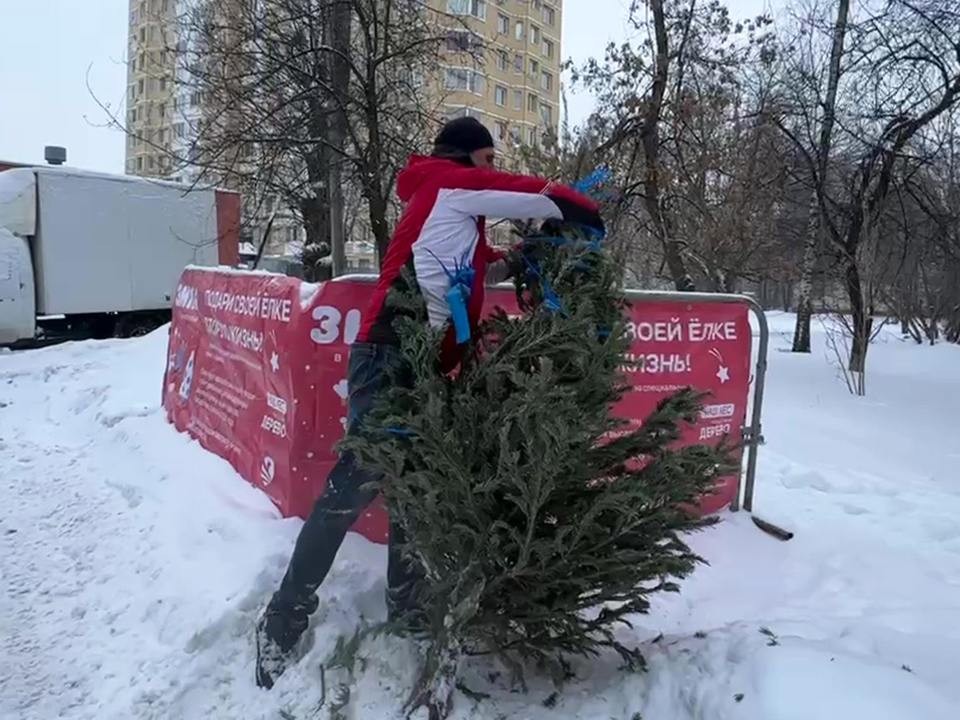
{"points": [[257, 364]]}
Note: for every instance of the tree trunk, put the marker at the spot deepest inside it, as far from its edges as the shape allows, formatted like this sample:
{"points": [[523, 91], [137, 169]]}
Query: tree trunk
{"points": [[787, 289], [801, 333], [952, 331], [434, 688], [377, 200], [316, 225], [650, 134], [339, 26], [862, 320], [377, 205], [801, 336], [729, 283]]}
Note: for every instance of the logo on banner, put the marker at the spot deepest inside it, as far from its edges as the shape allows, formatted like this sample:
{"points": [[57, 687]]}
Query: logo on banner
{"points": [[714, 432], [274, 426], [186, 383], [723, 372], [328, 319], [187, 297], [175, 361], [275, 402], [267, 470], [716, 412]]}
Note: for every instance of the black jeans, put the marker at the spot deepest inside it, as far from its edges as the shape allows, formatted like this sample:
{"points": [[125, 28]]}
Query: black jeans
{"points": [[372, 367]]}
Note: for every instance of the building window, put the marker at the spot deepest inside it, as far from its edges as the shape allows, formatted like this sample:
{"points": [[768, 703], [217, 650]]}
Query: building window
{"points": [[518, 99], [463, 79], [548, 48], [546, 113], [143, 34], [163, 83], [534, 35], [140, 87], [515, 135], [462, 41], [534, 68], [503, 60], [500, 131], [533, 102], [518, 31], [163, 110], [518, 64], [476, 8], [503, 24], [464, 112], [549, 15], [140, 163], [133, 116], [150, 162], [532, 136], [500, 95], [546, 81]]}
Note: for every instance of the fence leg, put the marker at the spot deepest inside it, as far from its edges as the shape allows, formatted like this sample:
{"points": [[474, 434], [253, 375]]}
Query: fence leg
{"points": [[756, 429]]}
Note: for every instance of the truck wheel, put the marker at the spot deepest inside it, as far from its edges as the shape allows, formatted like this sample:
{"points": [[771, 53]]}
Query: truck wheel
{"points": [[103, 328], [138, 325]]}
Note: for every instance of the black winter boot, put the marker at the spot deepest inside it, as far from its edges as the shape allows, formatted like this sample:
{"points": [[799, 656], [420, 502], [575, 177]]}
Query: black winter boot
{"points": [[277, 633]]}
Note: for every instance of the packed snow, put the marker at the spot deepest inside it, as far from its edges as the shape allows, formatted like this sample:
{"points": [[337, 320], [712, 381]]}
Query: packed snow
{"points": [[133, 564]]}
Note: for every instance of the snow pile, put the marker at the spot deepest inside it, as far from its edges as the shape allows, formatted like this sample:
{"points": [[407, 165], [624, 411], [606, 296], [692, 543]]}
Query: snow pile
{"points": [[133, 564]]}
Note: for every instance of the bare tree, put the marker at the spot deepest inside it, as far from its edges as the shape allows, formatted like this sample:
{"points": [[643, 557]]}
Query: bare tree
{"points": [[300, 97], [904, 73], [918, 238], [804, 77], [679, 108]]}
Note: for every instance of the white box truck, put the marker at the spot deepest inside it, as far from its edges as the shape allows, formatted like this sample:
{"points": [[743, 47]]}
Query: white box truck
{"points": [[94, 255]]}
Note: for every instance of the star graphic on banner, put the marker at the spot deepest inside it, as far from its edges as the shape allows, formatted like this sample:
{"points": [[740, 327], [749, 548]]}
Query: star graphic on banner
{"points": [[723, 374], [274, 361]]}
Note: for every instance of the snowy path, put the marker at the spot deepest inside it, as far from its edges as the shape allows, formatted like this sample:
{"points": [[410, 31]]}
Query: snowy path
{"points": [[132, 563]]}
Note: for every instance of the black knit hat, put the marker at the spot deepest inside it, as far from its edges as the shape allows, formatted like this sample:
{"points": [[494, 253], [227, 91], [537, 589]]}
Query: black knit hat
{"points": [[462, 135]]}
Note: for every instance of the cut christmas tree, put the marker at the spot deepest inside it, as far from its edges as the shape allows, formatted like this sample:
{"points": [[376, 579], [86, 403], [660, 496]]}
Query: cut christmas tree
{"points": [[538, 518]]}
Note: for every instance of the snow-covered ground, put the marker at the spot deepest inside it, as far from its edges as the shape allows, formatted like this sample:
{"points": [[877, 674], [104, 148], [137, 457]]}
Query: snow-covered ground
{"points": [[132, 563]]}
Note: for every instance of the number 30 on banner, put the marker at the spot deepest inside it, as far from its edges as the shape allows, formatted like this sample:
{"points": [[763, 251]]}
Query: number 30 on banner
{"points": [[327, 329]]}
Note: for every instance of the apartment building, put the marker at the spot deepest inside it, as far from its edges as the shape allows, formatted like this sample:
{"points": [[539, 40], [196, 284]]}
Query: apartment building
{"points": [[150, 88], [502, 65]]}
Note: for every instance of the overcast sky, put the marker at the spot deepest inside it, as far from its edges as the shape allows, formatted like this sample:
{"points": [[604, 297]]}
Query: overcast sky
{"points": [[51, 50]]}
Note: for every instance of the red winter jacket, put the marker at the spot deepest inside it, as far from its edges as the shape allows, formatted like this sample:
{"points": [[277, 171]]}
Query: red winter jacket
{"points": [[443, 225]]}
